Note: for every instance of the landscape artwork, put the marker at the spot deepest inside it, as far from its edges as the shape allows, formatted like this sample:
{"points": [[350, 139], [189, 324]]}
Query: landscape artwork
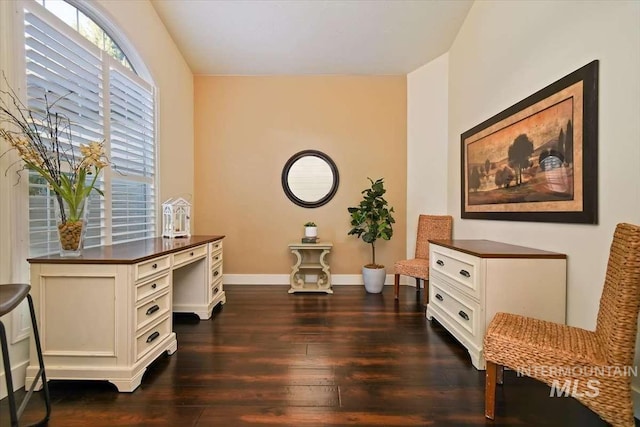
{"points": [[537, 160]]}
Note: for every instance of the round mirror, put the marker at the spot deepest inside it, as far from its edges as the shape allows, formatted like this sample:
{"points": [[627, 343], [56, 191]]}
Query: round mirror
{"points": [[310, 178]]}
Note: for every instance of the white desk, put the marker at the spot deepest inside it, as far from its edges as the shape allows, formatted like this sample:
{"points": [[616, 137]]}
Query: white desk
{"points": [[107, 314], [310, 262]]}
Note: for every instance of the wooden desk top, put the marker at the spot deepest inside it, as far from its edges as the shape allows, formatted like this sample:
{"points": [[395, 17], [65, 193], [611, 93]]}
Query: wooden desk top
{"points": [[491, 249], [128, 253]]}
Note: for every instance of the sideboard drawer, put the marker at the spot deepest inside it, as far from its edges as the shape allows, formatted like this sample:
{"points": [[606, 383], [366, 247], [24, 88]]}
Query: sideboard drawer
{"points": [[189, 255], [151, 287], [460, 267], [149, 268], [150, 311], [153, 336], [464, 313]]}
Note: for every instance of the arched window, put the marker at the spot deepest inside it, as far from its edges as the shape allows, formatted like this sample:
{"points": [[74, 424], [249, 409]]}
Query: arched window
{"points": [[69, 55]]}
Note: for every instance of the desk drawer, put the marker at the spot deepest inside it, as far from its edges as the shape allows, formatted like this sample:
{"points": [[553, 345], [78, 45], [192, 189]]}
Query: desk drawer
{"points": [[215, 246], [216, 272], [151, 287], [152, 310], [189, 255], [153, 336], [154, 266], [216, 257], [462, 268], [464, 313], [215, 290]]}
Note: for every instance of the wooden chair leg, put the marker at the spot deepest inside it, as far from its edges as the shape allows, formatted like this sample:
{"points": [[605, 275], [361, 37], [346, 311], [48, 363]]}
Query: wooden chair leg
{"points": [[417, 284], [396, 285], [490, 390], [500, 374]]}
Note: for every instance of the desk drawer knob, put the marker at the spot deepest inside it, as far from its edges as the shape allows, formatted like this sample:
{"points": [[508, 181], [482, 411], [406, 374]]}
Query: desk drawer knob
{"points": [[464, 315], [153, 336], [215, 273], [439, 297], [154, 286], [440, 263], [152, 309], [154, 266], [465, 273], [215, 291], [217, 258], [191, 254]]}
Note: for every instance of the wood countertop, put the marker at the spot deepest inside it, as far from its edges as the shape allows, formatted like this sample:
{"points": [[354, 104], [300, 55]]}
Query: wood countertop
{"points": [[129, 252], [491, 249]]}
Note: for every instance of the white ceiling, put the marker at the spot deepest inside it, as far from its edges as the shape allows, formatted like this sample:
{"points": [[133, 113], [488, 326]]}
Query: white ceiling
{"points": [[293, 37]]}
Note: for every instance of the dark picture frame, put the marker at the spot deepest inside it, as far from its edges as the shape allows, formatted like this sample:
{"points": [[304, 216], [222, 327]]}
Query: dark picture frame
{"points": [[538, 159]]}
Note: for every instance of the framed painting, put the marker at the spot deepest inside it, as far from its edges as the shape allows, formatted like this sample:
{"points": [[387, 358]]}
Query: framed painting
{"points": [[538, 159]]}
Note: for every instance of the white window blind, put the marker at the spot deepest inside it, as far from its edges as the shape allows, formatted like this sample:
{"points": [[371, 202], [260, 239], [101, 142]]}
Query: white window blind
{"points": [[101, 98], [132, 157]]}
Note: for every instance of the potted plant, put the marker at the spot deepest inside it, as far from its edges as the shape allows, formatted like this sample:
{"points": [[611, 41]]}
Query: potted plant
{"points": [[310, 229], [372, 220]]}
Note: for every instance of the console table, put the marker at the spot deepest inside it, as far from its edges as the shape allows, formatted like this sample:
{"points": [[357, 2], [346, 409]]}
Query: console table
{"points": [[107, 314], [471, 280], [310, 261]]}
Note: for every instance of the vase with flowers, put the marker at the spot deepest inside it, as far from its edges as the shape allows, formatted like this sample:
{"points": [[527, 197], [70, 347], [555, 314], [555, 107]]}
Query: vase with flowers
{"points": [[42, 139]]}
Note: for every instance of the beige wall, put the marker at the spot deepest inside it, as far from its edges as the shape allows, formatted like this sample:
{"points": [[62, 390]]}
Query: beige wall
{"points": [[141, 26], [502, 55], [427, 139], [245, 130]]}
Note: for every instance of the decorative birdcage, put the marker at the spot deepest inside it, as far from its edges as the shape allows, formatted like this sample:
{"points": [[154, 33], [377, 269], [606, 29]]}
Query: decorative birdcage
{"points": [[176, 215]]}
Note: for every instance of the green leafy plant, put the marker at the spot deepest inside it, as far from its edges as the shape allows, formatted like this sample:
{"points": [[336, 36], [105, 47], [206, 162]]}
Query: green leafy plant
{"points": [[310, 224], [371, 219]]}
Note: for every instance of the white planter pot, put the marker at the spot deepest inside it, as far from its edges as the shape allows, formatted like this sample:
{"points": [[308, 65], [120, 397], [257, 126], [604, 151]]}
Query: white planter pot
{"points": [[311, 232], [373, 279]]}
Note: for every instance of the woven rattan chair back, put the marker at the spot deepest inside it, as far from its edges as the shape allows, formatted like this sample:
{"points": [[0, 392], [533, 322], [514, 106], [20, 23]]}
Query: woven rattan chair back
{"points": [[432, 227], [620, 301]]}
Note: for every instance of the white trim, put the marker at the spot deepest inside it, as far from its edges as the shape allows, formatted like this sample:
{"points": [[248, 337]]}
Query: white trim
{"points": [[635, 396], [283, 279], [18, 375], [20, 323]]}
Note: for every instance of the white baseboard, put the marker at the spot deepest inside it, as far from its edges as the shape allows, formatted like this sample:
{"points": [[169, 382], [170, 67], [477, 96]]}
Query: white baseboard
{"points": [[283, 279], [635, 395], [18, 373]]}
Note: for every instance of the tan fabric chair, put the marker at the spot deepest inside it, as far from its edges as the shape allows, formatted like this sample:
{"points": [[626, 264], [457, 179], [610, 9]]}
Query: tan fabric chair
{"points": [[429, 227], [593, 366]]}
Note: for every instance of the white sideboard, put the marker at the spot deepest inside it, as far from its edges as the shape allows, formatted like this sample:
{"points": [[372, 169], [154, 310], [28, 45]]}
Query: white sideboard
{"points": [[107, 314], [471, 280]]}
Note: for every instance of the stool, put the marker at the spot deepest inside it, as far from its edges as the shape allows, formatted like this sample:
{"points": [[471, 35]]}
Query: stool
{"points": [[10, 297]]}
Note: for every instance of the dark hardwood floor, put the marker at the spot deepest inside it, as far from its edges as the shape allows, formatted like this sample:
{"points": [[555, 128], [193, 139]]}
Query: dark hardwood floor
{"points": [[268, 358]]}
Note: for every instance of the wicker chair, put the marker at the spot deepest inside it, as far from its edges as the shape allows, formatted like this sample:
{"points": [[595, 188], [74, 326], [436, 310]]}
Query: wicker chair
{"points": [[429, 227], [594, 366]]}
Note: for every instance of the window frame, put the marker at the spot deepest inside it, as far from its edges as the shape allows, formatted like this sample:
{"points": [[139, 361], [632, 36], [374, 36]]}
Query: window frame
{"points": [[139, 74]]}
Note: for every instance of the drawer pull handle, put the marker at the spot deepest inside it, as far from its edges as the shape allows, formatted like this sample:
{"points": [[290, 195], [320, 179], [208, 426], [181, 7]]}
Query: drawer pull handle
{"points": [[465, 273], [215, 273], [152, 309], [440, 263], [191, 254], [154, 286], [215, 291], [464, 315], [439, 297], [154, 266], [153, 336], [217, 258]]}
